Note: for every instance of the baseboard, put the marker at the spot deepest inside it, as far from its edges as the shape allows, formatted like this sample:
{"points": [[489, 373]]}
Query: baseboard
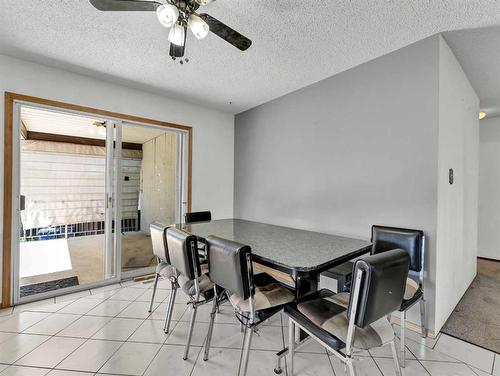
{"points": [[488, 259], [412, 326]]}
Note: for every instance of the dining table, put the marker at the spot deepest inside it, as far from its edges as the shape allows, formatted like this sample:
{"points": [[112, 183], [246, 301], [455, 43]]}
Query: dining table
{"points": [[294, 256]]}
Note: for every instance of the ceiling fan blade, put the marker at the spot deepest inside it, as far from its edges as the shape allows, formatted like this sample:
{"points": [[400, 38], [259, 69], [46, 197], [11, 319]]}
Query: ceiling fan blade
{"points": [[125, 5], [225, 32]]}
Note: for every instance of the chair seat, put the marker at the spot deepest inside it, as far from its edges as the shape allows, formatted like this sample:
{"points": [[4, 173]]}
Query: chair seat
{"points": [[413, 293], [325, 315], [166, 270], [269, 293], [204, 282]]}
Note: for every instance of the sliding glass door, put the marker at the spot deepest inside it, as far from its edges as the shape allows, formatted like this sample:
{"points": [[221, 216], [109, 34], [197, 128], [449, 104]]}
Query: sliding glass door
{"points": [[86, 189]]}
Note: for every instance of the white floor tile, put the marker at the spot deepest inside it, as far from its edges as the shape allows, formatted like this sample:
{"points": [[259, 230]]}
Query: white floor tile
{"points": [[467, 353], [98, 290], [51, 352], [137, 310], [128, 293], [81, 306], [45, 305], [170, 357], [72, 297], [57, 372], [160, 295], [268, 338], [412, 367], [304, 364], [365, 366], [3, 366], [151, 331], [6, 312], [143, 284], [91, 356], [227, 335], [19, 322], [52, 324], [160, 311], [131, 359], [496, 366], [18, 346], [84, 327], [109, 308], [386, 352], [118, 329], [164, 284], [225, 315], [415, 336], [24, 371], [478, 372], [179, 334], [221, 362], [310, 346], [423, 352], [4, 336], [448, 369]]}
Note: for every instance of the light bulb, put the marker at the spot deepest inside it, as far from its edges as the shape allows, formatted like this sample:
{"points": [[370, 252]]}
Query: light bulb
{"points": [[199, 27], [177, 35], [167, 14], [482, 115]]}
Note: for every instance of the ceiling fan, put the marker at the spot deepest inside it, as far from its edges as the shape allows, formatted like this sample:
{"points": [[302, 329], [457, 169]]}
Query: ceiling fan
{"points": [[178, 15]]}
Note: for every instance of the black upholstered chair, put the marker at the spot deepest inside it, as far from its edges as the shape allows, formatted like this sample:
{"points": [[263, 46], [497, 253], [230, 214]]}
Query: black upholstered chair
{"points": [[346, 322], [203, 216], [255, 298], [164, 269], [183, 252], [413, 242]]}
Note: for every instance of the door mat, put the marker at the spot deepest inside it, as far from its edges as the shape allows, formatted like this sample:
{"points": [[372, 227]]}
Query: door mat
{"points": [[38, 288]]}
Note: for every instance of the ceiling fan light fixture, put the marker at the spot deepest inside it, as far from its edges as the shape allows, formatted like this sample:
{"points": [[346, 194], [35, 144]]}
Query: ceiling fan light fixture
{"points": [[167, 14], [199, 27], [177, 35]]}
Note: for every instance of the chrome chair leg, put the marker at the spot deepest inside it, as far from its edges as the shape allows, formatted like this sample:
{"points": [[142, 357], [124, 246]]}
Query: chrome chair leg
{"points": [[395, 357], [246, 352], [190, 334], [154, 292], [170, 308], [422, 317], [210, 328], [403, 339], [291, 345]]}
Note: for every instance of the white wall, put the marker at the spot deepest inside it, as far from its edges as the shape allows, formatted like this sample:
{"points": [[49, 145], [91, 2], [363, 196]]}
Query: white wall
{"points": [[213, 131], [489, 189], [357, 149], [458, 202]]}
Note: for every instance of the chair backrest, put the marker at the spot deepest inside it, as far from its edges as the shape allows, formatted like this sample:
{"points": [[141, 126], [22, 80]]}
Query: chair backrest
{"points": [[412, 241], [158, 238], [203, 216], [183, 252], [381, 286], [229, 266]]}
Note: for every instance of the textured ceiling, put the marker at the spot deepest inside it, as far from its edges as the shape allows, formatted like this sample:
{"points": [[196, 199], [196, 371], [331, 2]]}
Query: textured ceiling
{"points": [[478, 51], [295, 42]]}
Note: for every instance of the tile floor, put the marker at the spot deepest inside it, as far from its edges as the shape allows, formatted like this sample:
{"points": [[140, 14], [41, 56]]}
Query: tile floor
{"points": [[107, 331]]}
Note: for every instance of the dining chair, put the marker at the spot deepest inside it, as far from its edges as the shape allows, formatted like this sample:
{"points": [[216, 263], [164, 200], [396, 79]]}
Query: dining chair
{"points": [[164, 269], [385, 238], [255, 298], [193, 217], [183, 251], [346, 323]]}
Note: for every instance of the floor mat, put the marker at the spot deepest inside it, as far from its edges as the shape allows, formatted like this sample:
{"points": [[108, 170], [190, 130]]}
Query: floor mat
{"points": [[476, 318], [38, 288]]}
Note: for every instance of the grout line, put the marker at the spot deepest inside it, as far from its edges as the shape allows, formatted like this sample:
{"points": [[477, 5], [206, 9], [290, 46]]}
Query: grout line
{"points": [[494, 362]]}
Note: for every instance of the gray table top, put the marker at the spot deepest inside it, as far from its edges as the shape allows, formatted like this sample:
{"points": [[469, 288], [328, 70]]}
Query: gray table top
{"points": [[284, 247]]}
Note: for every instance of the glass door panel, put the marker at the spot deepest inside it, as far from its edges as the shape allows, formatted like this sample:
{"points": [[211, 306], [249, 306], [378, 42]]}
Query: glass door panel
{"points": [[64, 234], [149, 180]]}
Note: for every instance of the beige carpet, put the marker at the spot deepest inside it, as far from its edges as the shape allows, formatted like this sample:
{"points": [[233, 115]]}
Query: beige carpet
{"points": [[87, 258], [476, 318]]}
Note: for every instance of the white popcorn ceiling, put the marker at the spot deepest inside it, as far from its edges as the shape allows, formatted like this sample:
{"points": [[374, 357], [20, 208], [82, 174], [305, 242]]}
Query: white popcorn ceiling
{"points": [[295, 43]]}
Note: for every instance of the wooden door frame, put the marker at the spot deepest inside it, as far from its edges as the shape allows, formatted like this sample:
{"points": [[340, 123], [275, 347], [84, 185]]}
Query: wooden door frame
{"points": [[10, 98]]}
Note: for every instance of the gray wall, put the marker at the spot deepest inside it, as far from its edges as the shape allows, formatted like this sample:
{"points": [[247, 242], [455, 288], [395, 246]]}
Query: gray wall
{"points": [[356, 149]]}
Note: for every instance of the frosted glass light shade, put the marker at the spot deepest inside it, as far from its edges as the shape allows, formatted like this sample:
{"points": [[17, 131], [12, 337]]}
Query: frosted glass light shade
{"points": [[177, 35], [199, 27], [167, 14]]}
